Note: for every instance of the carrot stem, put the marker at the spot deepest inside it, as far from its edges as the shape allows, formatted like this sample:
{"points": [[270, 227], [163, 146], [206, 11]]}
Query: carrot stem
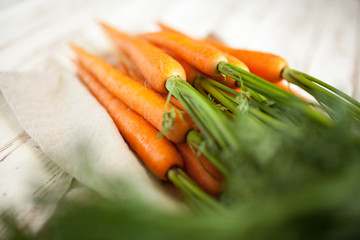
{"points": [[189, 197], [192, 191], [210, 120], [321, 94], [273, 92], [231, 103], [194, 139], [220, 97], [287, 71], [257, 100]]}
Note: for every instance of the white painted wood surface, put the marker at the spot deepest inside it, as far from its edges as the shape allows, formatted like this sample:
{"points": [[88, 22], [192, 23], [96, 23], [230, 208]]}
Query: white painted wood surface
{"points": [[320, 37]]}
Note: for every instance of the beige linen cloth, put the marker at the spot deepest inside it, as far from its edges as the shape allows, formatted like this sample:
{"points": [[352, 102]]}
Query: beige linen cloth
{"points": [[77, 134]]}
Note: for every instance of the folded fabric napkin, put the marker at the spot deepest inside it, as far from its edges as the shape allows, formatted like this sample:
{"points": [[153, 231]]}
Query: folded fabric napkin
{"points": [[78, 135]]}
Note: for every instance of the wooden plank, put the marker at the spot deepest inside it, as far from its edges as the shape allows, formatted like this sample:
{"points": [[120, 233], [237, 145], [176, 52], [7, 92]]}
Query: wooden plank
{"points": [[333, 56], [28, 21], [9, 127], [318, 37], [55, 33]]}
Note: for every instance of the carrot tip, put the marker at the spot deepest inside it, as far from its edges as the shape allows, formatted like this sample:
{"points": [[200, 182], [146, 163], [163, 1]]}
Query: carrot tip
{"points": [[106, 27], [103, 24], [75, 47]]}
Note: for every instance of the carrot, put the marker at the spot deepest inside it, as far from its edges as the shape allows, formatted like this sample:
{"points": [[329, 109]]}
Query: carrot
{"points": [[274, 68], [142, 100], [212, 123], [265, 65], [202, 56], [167, 28], [187, 47], [201, 170], [121, 66], [191, 72], [228, 81], [158, 154], [149, 59], [127, 69], [124, 65]]}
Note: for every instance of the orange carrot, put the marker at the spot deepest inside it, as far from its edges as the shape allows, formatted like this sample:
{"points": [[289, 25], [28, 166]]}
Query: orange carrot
{"points": [[167, 28], [202, 56], [142, 100], [158, 154], [265, 65], [128, 69], [201, 170], [228, 81], [149, 59], [209, 119], [121, 66], [124, 65], [191, 72]]}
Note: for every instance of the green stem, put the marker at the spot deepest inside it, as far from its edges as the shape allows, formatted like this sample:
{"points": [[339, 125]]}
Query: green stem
{"points": [[189, 197], [220, 97], [229, 102], [321, 94], [210, 120], [286, 71], [220, 86], [192, 191], [273, 92], [276, 124], [194, 139]]}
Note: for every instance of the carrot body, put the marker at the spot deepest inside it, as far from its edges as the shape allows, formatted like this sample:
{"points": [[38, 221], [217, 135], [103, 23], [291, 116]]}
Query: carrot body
{"points": [[265, 65], [121, 66], [142, 100], [158, 154], [199, 171], [191, 72], [125, 66], [128, 69], [228, 81], [167, 28], [202, 56], [153, 63]]}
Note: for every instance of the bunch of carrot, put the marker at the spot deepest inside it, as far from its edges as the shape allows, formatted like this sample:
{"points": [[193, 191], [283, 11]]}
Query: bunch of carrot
{"points": [[176, 100]]}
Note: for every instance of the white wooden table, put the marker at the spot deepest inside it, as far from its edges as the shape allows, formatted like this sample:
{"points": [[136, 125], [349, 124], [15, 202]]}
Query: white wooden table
{"points": [[320, 37]]}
